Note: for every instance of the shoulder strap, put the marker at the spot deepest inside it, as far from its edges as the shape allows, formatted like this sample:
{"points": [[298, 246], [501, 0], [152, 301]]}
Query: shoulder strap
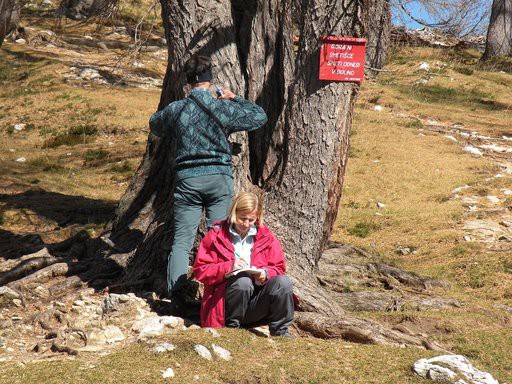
{"points": [[207, 111]]}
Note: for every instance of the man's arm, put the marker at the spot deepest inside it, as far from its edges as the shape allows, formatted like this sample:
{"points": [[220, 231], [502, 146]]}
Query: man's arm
{"points": [[243, 115], [160, 120]]}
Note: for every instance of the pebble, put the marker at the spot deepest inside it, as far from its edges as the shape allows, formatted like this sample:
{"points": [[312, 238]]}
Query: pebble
{"points": [[378, 108], [381, 205], [424, 67], [222, 353], [202, 351], [20, 127], [472, 150], [21, 160], [168, 373]]}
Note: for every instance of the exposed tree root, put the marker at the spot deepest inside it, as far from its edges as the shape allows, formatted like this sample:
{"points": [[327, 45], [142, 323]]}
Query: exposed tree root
{"points": [[29, 265], [359, 331], [45, 274]]}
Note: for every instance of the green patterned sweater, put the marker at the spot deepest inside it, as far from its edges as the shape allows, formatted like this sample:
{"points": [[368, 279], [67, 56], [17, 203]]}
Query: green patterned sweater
{"points": [[202, 147]]}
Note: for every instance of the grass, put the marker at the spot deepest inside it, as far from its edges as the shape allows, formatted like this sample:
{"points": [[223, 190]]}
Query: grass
{"points": [[414, 177]]}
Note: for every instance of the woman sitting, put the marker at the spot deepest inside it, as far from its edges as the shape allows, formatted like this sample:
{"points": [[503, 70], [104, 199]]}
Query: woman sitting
{"points": [[242, 266]]}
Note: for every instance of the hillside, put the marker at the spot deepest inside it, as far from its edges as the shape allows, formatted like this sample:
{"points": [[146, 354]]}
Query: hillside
{"points": [[428, 189]]}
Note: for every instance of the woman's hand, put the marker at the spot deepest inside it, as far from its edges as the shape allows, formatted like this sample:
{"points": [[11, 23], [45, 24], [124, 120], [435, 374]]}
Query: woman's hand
{"points": [[239, 263], [262, 277]]}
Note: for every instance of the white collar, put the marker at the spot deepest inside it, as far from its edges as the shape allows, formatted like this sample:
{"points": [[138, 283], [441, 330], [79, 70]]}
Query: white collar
{"points": [[253, 230]]}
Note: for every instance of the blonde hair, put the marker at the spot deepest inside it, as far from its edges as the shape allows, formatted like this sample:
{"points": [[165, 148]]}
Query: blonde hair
{"points": [[246, 202]]}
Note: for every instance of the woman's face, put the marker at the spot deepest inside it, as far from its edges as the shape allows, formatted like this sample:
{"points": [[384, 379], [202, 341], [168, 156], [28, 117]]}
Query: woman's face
{"points": [[244, 220]]}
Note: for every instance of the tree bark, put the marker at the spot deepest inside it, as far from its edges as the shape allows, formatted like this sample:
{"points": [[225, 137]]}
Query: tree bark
{"points": [[377, 19], [499, 34], [297, 160], [9, 16]]}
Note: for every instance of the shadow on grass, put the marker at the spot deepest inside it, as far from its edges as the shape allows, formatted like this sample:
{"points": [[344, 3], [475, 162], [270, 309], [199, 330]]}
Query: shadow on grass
{"points": [[439, 94]]}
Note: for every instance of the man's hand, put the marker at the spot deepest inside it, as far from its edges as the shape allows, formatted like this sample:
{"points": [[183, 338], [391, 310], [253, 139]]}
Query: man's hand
{"points": [[226, 95], [239, 263]]}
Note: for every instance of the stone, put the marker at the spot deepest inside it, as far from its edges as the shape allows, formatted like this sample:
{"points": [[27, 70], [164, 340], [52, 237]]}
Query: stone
{"points": [[381, 205], [155, 326], [222, 353], [493, 199], [212, 331], [446, 367], [473, 151], [261, 331], [165, 347], [495, 148], [7, 295], [42, 292], [424, 67], [113, 334], [21, 41], [19, 127], [202, 351], [378, 108], [21, 160], [168, 373], [449, 137]]}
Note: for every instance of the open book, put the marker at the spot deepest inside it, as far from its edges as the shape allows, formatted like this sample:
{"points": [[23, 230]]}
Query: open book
{"points": [[249, 270]]}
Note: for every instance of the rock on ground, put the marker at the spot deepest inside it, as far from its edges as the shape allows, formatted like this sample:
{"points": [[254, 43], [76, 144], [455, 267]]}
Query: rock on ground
{"points": [[446, 368]]}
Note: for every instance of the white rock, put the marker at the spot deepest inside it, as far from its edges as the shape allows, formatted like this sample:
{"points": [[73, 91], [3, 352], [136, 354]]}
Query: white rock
{"points": [[376, 161], [12, 150], [21, 41], [148, 327], [21, 160], [446, 367], [498, 176], [168, 373], [380, 205], [507, 138], [507, 192], [113, 334], [20, 127], [467, 238], [90, 74], [87, 37], [433, 122], [138, 64], [495, 148], [472, 150], [378, 108], [212, 331], [424, 67], [222, 353], [449, 137], [165, 347], [493, 199], [465, 134], [460, 189], [202, 351]]}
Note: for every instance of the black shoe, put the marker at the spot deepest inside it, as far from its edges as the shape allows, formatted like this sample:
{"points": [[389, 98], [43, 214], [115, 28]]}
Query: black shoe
{"points": [[286, 335]]}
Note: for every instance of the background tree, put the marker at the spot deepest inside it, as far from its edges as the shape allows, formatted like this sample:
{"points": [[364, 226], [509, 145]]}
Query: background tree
{"points": [[458, 17], [499, 33], [377, 18], [9, 16]]}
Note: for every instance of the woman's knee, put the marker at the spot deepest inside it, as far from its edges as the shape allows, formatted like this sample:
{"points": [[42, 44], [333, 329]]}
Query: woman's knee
{"points": [[242, 283], [282, 282]]}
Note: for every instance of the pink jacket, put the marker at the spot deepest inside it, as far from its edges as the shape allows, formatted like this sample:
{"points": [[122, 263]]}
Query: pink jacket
{"points": [[215, 258]]}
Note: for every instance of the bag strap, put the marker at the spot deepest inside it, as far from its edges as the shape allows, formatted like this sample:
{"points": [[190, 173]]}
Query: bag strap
{"points": [[207, 111]]}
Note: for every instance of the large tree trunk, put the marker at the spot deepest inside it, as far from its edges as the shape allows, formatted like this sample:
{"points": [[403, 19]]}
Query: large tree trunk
{"points": [[298, 160], [499, 34], [9, 17]]}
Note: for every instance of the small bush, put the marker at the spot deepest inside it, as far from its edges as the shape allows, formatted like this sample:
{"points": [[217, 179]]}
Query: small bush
{"points": [[124, 167], [362, 229], [464, 70], [95, 156]]}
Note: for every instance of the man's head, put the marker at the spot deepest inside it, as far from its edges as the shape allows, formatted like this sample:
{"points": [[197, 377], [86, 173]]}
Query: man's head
{"points": [[198, 69]]}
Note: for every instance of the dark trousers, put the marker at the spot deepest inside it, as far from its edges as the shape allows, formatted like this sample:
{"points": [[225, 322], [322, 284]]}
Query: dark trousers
{"points": [[247, 304]]}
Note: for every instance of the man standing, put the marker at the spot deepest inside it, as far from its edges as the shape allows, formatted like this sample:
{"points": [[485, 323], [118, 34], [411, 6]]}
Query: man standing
{"points": [[200, 125]]}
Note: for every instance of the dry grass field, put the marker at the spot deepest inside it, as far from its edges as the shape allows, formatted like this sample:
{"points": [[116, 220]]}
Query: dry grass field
{"points": [[81, 142]]}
